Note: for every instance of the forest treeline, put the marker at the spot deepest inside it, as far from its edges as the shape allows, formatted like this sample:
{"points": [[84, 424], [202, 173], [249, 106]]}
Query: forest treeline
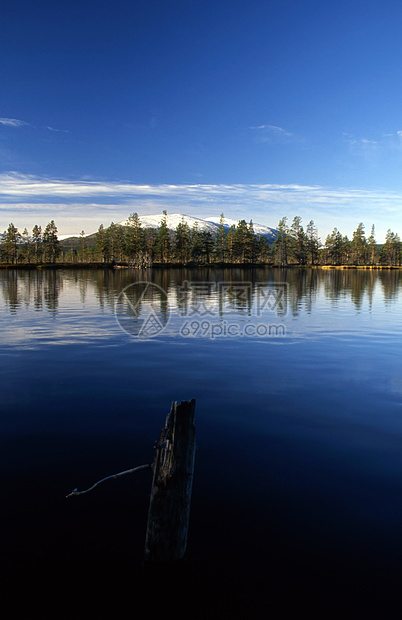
{"points": [[239, 244]]}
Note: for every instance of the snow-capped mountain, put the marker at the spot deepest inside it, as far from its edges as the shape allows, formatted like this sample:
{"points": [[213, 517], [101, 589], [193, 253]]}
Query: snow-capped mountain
{"points": [[209, 224]]}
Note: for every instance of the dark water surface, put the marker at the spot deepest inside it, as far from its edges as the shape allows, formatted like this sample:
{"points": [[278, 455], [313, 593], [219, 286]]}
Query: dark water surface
{"points": [[297, 496]]}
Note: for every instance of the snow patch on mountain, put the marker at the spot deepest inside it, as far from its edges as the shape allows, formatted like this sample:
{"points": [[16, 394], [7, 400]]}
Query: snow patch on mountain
{"points": [[173, 220], [259, 229]]}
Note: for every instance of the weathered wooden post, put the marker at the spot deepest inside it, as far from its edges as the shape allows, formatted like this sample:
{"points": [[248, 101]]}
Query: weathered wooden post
{"points": [[173, 470]]}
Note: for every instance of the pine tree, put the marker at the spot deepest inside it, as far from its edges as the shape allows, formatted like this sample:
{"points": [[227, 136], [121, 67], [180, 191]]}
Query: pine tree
{"points": [[51, 242], [220, 240], [82, 244], [230, 243], [371, 245], [251, 243], [26, 245], [37, 242], [262, 250], [359, 245], [111, 235], [9, 244], [391, 250], [119, 242], [207, 245], [346, 250], [101, 244], [134, 242], [195, 243], [182, 242], [298, 241], [397, 249], [312, 243], [163, 245], [240, 241], [282, 243], [334, 245], [150, 241]]}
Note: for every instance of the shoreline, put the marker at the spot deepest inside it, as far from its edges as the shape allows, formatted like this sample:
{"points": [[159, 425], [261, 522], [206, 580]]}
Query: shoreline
{"points": [[122, 265]]}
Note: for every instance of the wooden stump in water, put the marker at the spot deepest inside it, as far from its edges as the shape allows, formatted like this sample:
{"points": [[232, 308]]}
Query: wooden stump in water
{"points": [[169, 506]]}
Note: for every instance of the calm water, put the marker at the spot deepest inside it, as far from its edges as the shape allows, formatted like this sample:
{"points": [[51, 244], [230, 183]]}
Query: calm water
{"points": [[297, 498]]}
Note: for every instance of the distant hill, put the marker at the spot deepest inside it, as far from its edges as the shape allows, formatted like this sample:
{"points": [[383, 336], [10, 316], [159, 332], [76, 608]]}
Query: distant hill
{"points": [[75, 241]]}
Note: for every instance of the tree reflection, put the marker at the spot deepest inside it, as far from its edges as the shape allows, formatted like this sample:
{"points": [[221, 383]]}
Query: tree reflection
{"points": [[31, 287], [221, 289]]}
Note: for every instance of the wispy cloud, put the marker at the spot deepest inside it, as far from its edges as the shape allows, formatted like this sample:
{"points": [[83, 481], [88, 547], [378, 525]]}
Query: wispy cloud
{"points": [[274, 129], [16, 122], [378, 145], [271, 133], [57, 130], [13, 122], [359, 142], [82, 203]]}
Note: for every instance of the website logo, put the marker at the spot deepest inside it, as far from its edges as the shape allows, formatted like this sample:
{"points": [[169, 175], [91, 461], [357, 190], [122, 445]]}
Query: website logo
{"points": [[142, 309]]}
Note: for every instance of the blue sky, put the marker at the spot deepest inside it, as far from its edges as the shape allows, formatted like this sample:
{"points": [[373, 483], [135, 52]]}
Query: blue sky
{"points": [[260, 109]]}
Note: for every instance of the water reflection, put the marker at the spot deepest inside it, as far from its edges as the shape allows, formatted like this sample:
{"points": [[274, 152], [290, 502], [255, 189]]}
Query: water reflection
{"points": [[41, 289], [210, 290]]}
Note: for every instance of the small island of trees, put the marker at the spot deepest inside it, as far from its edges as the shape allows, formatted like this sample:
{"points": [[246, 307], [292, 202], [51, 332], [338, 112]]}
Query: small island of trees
{"points": [[136, 246]]}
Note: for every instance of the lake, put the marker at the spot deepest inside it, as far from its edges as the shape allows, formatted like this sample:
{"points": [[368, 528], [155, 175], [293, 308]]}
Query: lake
{"points": [[297, 494]]}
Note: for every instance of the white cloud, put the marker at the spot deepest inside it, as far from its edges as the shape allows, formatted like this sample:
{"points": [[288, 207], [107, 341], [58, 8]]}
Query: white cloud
{"points": [[12, 122]]}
